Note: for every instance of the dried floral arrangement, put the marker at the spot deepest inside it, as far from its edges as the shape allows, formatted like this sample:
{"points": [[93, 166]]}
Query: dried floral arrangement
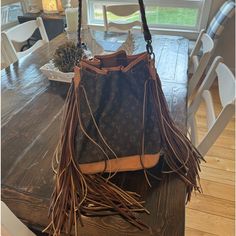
{"points": [[67, 56]]}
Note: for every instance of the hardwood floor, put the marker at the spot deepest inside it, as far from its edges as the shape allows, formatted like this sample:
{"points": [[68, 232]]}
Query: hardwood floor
{"points": [[212, 213]]}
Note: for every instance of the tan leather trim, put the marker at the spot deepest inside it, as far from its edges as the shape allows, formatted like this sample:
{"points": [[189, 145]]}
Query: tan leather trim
{"points": [[94, 61], [114, 68], [111, 55], [85, 65], [136, 61], [97, 59], [132, 60], [77, 77], [129, 163]]}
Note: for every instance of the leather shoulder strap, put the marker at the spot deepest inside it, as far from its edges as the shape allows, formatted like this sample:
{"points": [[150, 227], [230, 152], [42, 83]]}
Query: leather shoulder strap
{"points": [[146, 31], [79, 23]]}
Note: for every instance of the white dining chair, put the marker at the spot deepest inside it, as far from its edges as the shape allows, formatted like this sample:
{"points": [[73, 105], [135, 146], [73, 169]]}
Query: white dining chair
{"points": [[219, 21], [215, 125], [123, 10], [11, 225], [199, 59], [19, 34]]}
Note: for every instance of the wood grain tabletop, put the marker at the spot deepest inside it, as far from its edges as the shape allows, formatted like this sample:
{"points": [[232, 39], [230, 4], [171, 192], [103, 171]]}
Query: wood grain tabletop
{"points": [[31, 116]]}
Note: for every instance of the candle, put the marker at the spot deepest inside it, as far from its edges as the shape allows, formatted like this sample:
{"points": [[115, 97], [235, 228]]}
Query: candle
{"points": [[71, 19]]}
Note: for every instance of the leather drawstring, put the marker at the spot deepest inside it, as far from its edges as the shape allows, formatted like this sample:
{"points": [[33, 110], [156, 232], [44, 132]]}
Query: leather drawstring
{"points": [[143, 132], [97, 128]]}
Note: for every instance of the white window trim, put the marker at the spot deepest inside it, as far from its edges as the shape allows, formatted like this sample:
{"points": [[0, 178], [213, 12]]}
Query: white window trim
{"points": [[8, 2], [204, 15], [188, 32]]}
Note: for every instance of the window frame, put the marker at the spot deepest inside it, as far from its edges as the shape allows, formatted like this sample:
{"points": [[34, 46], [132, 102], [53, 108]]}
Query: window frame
{"points": [[204, 7], [9, 2]]}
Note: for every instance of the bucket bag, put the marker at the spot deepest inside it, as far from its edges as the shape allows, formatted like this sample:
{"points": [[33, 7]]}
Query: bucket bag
{"points": [[115, 119]]}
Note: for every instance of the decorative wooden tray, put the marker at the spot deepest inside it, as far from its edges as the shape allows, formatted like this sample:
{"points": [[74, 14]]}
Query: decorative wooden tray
{"points": [[53, 73]]}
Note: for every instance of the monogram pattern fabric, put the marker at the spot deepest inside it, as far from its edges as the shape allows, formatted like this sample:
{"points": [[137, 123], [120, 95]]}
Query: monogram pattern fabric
{"points": [[117, 102]]}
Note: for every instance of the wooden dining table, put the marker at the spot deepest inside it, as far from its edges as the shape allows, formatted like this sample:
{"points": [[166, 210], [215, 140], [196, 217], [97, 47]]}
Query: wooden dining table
{"points": [[31, 111]]}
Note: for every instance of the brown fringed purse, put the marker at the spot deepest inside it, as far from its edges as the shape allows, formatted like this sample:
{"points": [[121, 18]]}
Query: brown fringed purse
{"points": [[115, 119]]}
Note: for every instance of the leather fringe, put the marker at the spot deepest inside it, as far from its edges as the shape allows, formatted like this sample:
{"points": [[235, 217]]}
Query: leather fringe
{"points": [[180, 155], [76, 194]]}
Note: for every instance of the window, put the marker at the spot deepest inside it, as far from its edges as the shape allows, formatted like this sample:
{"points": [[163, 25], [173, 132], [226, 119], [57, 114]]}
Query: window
{"points": [[189, 15], [9, 14]]}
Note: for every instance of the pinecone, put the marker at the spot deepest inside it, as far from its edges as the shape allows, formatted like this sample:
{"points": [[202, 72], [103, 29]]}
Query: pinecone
{"points": [[67, 56]]}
